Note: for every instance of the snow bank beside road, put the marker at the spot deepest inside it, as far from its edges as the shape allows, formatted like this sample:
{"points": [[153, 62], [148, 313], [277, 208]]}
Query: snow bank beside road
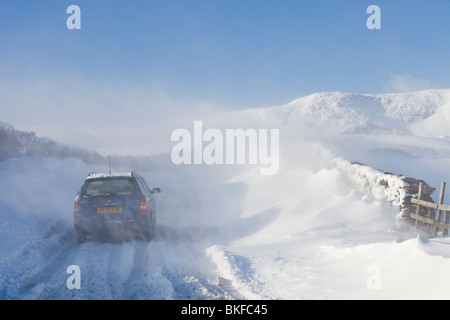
{"points": [[337, 226]]}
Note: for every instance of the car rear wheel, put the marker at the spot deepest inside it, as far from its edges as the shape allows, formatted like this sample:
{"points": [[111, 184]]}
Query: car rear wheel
{"points": [[81, 237], [147, 234]]}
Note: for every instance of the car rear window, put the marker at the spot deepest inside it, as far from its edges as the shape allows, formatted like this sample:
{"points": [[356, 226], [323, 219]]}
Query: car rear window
{"points": [[109, 187]]}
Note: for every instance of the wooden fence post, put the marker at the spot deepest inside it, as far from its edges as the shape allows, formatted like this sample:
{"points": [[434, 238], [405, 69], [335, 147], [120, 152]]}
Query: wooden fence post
{"points": [[445, 221], [438, 211], [419, 197]]}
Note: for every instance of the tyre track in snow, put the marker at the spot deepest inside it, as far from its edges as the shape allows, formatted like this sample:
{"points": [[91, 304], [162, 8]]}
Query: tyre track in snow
{"points": [[34, 264], [164, 268], [185, 267]]}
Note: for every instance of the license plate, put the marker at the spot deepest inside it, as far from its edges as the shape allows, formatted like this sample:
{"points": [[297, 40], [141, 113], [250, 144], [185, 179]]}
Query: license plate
{"points": [[110, 210]]}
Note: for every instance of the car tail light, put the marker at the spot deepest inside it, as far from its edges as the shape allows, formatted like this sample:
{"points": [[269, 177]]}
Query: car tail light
{"points": [[143, 206], [76, 207]]}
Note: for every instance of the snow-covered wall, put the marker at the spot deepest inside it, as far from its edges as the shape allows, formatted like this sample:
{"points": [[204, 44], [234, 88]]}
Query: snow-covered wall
{"points": [[383, 186]]}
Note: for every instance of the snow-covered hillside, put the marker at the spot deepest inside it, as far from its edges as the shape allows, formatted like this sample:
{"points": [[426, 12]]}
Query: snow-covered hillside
{"points": [[323, 227], [360, 113], [16, 143]]}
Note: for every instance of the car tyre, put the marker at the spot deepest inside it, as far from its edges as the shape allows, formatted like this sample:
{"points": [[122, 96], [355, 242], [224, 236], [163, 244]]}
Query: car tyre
{"points": [[147, 234], [81, 237]]}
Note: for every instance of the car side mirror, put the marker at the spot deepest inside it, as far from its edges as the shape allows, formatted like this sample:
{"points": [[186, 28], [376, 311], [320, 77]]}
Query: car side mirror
{"points": [[156, 190]]}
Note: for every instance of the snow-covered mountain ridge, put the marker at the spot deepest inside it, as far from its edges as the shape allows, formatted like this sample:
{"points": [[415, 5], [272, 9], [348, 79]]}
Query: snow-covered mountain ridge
{"points": [[358, 113]]}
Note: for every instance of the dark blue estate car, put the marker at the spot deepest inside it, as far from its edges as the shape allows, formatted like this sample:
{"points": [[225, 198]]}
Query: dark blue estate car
{"points": [[119, 203]]}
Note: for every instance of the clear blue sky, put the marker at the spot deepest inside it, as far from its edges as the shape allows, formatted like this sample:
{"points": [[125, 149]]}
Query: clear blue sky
{"points": [[155, 58]]}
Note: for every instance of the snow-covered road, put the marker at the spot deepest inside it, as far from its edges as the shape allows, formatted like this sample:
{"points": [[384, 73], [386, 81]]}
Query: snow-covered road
{"points": [[38, 243], [110, 268]]}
